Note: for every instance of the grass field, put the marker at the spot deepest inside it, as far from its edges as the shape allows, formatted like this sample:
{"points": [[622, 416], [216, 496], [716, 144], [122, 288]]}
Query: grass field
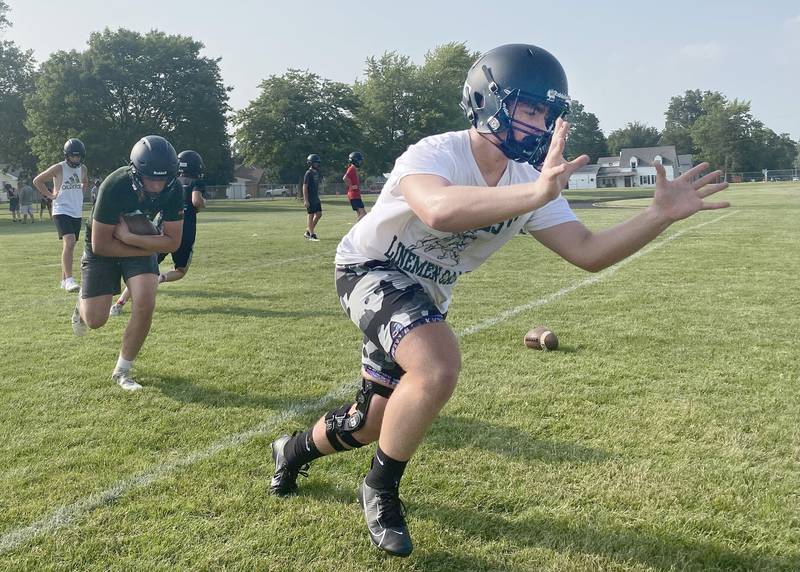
{"points": [[664, 435]]}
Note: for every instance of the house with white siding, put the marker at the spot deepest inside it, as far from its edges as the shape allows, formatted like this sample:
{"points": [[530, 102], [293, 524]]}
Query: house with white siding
{"points": [[633, 168]]}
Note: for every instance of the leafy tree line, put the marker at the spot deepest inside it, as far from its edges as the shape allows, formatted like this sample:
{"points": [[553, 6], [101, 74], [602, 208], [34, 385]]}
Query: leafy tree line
{"points": [[123, 86], [126, 84], [393, 106]]}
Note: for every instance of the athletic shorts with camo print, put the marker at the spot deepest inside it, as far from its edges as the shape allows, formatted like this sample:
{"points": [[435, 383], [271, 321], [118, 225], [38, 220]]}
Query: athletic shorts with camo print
{"points": [[385, 304]]}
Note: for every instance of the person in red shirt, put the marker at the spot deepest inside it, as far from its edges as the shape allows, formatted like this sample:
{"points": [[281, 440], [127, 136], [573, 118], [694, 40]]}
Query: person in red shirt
{"points": [[350, 178]]}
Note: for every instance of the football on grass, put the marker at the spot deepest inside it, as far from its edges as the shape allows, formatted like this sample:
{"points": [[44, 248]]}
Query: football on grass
{"points": [[138, 223], [541, 338]]}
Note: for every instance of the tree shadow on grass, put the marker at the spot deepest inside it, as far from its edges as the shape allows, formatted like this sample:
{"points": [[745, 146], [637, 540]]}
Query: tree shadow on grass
{"points": [[654, 549], [183, 390], [449, 432]]}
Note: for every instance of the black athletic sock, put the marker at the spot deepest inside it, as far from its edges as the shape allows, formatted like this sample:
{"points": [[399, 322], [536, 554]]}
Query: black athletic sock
{"points": [[301, 449], [385, 472]]}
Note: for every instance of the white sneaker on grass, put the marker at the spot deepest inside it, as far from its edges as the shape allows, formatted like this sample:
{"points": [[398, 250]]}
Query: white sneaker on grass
{"points": [[125, 380], [115, 310], [79, 327], [70, 285]]}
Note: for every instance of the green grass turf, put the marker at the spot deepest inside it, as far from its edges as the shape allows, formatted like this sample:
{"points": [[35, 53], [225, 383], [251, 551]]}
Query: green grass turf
{"points": [[664, 435]]}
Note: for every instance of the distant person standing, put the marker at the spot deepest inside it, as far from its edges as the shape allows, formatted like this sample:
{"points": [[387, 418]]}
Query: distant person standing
{"points": [[95, 188], [13, 201], [70, 179], [356, 159], [26, 197], [311, 196]]}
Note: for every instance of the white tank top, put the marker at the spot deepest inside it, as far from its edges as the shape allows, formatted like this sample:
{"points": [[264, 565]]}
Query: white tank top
{"points": [[70, 196]]}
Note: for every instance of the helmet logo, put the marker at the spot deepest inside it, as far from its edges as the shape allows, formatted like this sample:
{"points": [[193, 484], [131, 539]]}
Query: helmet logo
{"points": [[494, 123], [553, 94]]}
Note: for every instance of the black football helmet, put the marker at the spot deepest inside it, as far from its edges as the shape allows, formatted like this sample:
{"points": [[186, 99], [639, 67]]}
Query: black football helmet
{"points": [[74, 146], [313, 159], [190, 164], [505, 76], [153, 157], [356, 158]]}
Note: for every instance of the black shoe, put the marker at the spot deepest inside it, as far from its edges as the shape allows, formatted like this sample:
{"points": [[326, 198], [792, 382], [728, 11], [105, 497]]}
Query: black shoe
{"points": [[314, 237], [385, 515], [307, 235], [284, 481]]}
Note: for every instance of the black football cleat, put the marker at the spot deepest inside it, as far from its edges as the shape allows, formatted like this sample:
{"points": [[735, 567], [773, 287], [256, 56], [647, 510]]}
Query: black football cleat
{"points": [[284, 481], [385, 516]]}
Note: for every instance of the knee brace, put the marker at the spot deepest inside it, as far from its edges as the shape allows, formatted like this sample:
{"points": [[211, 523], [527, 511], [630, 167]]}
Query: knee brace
{"points": [[340, 423]]}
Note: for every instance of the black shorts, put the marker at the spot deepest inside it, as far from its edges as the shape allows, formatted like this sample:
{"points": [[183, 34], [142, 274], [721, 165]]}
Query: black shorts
{"points": [[356, 204], [314, 207], [385, 304], [13, 205], [66, 224], [100, 275], [182, 257]]}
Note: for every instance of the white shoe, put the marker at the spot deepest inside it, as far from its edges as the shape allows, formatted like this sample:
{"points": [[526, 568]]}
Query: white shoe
{"points": [[79, 327], [116, 310], [125, 380], [70, 285]]}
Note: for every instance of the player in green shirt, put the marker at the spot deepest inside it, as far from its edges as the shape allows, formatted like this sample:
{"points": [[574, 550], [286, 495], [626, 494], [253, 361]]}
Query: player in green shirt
{"points": [[147, 186]]}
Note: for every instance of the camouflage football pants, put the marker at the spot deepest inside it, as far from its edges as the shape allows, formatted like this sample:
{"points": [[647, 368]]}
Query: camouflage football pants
{"points": [[385, 304]]}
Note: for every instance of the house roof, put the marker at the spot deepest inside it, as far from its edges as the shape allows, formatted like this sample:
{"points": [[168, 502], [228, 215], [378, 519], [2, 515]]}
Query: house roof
{"points": [[607, 160], [253, 174], [587, 169], [647, 155]]}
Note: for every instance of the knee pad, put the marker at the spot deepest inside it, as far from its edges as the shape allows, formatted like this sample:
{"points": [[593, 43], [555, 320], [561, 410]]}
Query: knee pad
{"points": [[340, 423]]}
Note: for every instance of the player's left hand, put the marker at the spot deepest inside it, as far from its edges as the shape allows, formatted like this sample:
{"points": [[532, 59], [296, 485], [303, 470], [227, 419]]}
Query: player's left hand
{"points": [[556, 170], [682, 197], [122, 231]]}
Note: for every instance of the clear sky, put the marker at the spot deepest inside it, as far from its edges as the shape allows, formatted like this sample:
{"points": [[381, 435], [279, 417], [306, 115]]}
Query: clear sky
{"points": [[624, 60]]}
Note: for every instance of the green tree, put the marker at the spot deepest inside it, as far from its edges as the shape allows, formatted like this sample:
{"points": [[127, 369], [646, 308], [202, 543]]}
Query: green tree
{"points": [[771, 151], [724, 136], [4, 21], [390, 111], [127, 85], [440, 81], [681, 115], [585, 136], [296, 114], [632, 135], [16, 81]]}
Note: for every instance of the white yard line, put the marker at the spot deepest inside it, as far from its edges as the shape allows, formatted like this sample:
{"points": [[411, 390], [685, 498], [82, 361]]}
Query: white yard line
{"points": [[65, 515]]}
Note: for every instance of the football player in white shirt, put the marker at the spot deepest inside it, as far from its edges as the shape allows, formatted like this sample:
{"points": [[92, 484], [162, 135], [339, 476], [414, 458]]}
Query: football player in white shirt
{"points": [[70, 179], [450, 202]]}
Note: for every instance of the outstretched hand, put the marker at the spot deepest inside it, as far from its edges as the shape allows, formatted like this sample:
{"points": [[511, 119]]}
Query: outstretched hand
{"points": [[682, 197], [556, 170]]}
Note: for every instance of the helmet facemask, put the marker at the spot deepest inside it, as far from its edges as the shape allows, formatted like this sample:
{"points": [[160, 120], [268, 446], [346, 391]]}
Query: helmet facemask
{"points": [[71, 164], [533, 146]]}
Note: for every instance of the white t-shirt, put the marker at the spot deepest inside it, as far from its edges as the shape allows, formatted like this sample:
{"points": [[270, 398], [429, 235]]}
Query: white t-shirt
{"points": [[69, 200], [391, 230]]}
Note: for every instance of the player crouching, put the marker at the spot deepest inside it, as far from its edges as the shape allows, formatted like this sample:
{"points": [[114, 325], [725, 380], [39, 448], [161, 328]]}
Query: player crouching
{"points": [[190, 177], [113, 250]]}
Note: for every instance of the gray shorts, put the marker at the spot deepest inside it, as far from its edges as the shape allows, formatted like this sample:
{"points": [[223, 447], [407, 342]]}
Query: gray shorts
{"points": [[386, 304], [100, 275]]}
